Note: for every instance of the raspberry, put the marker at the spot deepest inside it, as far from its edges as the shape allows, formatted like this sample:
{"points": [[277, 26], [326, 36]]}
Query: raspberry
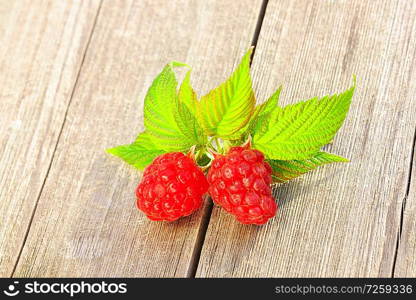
{"points": [[240, 183], [171, 187]]}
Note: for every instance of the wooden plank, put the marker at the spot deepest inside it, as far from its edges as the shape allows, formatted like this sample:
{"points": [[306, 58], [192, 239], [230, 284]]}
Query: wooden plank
{"points": [[406, 255], [42, 47], [342, 220], [86, 223]]}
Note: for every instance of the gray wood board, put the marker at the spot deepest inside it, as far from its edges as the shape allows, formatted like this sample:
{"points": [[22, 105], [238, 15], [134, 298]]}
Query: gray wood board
{"points": [[86, 223], [344, 219], [42, 47]]}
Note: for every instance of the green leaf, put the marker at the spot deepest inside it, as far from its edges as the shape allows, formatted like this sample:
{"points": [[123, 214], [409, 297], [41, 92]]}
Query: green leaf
{"points": [[146, 140], [227, 108], [186, 113], [270, 104], [138, 154], [299, 130], [264, 110], [261, 111], [162, 119], [187, 94], [135, 155], [190, 126], [179, 64], [285, 170]]}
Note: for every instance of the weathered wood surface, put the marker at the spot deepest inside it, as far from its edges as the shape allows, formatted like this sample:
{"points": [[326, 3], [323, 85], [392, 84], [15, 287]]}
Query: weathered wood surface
{"points": [[406, 255], [354, 219], [86, 223], [42, 44], [342, 220]]}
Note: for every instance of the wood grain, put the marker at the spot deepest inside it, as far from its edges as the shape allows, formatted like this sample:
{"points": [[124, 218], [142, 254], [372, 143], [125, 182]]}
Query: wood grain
{"points": [[42, 46], [344, 219], [86, 223], [406, 255]]}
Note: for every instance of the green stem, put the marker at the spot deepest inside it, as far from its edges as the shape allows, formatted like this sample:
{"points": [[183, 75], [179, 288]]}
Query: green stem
{"points": [[217, 144]]}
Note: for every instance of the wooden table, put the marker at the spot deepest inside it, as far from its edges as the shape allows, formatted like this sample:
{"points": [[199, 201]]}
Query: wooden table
{"points": [[73, 75]]}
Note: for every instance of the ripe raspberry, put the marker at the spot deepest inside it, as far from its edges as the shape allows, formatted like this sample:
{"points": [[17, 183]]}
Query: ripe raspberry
{"points": [[171, 187], [240, 183]]}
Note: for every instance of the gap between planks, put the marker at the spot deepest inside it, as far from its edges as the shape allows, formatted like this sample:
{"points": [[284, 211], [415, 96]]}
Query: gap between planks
{"points": [[207, 216], [192, 267], [57, 141], [387, 247], [208, 212], [400, 229]]}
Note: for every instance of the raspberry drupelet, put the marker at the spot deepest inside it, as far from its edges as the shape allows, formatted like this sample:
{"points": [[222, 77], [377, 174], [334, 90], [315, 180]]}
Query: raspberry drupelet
{"points": [[240, 183], [171, 187]]}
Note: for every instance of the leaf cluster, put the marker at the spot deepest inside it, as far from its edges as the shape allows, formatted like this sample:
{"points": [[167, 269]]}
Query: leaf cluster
{"points": [[291, 136]]}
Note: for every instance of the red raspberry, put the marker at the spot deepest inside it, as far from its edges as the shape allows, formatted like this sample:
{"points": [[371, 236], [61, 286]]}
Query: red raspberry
{"points": [[240, 183], [171, 187]]}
